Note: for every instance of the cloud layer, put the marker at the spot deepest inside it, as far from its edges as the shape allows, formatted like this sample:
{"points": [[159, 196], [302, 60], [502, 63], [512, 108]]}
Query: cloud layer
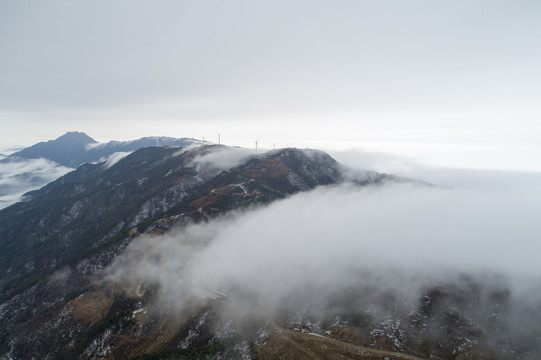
{"points": [[21, 176], [220, 158], [403, 235]]}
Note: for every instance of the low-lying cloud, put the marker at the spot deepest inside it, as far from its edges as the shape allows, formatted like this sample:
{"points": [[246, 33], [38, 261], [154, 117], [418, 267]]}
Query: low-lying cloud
{"points": [[114, 158], [327, 237], [462, 178], [389, 241], [220, 158], [17, 177]]}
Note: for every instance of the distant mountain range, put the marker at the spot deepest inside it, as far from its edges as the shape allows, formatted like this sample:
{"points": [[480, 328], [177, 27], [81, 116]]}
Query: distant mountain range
{"points": [[37, 165], [76, 148]]}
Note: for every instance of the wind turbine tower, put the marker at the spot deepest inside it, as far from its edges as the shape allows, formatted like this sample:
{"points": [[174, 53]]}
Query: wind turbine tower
{"points": [[219, 138], [256, 144]]}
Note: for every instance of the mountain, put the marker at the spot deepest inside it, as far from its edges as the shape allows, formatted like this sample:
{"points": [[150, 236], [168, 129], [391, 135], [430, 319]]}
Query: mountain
{"points": [[75, 148], [57, 242], [62, 296], [88, 207], [68, 150]]}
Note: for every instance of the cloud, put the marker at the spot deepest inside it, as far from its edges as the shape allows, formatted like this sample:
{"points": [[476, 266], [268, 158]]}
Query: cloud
{"points": [[220, 158], [455, 177], [325, 237], [355, 249], [114, 158], [19, 177], [321, 235]]}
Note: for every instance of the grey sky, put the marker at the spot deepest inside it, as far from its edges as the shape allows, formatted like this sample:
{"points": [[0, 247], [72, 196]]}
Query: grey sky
{"points": [[457, 81]]}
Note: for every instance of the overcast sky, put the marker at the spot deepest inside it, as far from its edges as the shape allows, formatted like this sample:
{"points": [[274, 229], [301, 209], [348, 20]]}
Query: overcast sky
{"points": [[455, 83]]}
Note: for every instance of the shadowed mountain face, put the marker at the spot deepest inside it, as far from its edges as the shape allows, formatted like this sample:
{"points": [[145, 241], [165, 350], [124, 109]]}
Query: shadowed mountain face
{"points": [[61, 297]]}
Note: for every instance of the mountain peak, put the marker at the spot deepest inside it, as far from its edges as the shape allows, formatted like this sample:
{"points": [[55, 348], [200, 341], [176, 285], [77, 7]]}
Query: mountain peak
{"points": [[75, 136], [63, 150]]}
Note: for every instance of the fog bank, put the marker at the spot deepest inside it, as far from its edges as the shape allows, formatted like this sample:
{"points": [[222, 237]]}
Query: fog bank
{"points": [[17, 177], [399, 236]]}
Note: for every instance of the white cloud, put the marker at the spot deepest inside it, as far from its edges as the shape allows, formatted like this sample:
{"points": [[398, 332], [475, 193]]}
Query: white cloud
{"points": [[221, 158], [373, 250], [19, 177], [114, 158], [402, 235], [456, 177]]}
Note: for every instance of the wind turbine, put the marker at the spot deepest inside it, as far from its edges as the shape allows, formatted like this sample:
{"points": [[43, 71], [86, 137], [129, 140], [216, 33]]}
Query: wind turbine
{"points": [[219, 138], [256, 144]]}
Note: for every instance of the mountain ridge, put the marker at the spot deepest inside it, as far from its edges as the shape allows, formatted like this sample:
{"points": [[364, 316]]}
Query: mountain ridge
{"points": [[130, 192]]}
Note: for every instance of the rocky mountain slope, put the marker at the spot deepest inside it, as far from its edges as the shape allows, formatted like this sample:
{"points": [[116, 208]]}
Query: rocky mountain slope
{"points": [[57, 300]]}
